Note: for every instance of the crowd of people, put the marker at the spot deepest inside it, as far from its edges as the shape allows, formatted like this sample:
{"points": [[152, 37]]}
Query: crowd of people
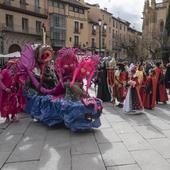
{"points": [[54, 92], [133, 86]]}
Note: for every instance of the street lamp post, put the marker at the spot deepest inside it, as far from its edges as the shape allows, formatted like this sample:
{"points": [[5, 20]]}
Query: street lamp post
{"points": [[100, 24], [100, 34]]}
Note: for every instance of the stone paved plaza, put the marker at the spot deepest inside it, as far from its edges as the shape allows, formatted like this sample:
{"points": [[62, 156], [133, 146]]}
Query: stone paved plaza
{"points": [[123, 142]]}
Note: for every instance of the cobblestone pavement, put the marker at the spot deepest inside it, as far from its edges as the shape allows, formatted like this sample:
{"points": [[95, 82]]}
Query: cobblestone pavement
{"points": [[123, 142]]}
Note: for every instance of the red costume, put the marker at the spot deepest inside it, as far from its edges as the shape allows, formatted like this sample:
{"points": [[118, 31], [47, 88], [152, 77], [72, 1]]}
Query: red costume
{"points": [[143, 89], [161, 94], [120, 89], [150, 94], [8, 94], [136, 98]]}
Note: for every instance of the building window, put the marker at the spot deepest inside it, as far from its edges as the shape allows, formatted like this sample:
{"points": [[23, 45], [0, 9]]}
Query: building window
{"points": [[76, 27], [58, 37], [81, 11], [7, 2], [76, 9], [113, 23], [161, 26], [81, 25], [71, 8], [76, 41], [113, 34], [24, 24], [37, 6], [50, 3], [9, 22], [38, 27], [59, 21], [58, 4], [120, 26], [93, 44], [23, 3]]}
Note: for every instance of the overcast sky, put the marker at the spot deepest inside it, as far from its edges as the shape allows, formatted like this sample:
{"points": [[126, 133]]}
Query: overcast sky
{"points": [[130, 10]]}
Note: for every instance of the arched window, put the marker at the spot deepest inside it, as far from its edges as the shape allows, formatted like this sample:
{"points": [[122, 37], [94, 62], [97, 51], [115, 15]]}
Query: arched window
{"points": [[161, 26], [14, 48]]}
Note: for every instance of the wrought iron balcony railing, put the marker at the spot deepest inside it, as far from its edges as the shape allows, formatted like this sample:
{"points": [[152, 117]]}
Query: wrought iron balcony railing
{"points": [[18, 29]]}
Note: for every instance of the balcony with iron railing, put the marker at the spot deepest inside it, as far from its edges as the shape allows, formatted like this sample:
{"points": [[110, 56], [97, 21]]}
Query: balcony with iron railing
{"points": [[18, 29], [24, 8]]}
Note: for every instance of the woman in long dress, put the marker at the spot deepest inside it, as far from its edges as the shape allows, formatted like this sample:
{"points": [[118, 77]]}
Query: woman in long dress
{"points": [[133, 103]]}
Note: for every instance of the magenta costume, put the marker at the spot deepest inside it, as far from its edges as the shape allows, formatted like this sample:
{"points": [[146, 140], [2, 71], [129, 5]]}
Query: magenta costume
{"points": [[51, 109], [8, 101]]}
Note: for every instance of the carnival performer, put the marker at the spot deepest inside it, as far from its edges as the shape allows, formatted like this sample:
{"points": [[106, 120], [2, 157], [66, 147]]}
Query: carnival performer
{"points": [[65, 64], [142, 81], [111, 78], [85, 69], [149, 101], [161, 93], [121, 78], [133, 103], [8, 92], [66, 103], [142, 88], [167, 77], [102, 84]]}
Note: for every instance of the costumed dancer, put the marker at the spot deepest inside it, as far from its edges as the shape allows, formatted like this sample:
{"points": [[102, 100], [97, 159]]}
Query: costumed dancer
{"points": [[101, 81], [8, 92], [142, 81], [85, 69], [111, 78], [161, 93], [150, 94], [121, 78], [167, 77], [133, 103]]}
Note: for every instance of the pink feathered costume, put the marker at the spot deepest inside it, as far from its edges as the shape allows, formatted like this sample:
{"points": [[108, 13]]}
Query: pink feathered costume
{"points": [[8, 100]]}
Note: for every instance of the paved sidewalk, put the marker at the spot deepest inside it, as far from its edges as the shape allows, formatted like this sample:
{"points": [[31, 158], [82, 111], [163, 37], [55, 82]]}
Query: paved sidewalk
{"points": [[123, 142]]}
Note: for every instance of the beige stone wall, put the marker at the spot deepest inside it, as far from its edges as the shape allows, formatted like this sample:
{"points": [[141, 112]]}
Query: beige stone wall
{"points": [[83, 34], [17, 20], [16, 36]]}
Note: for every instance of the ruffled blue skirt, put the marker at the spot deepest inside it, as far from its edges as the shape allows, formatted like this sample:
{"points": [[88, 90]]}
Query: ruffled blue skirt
{"points": [[74, 114]]}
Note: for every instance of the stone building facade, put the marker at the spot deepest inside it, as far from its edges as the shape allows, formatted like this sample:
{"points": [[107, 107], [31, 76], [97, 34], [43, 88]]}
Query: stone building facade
{"points": [[68, 24], [20, 23], [154, 18]]}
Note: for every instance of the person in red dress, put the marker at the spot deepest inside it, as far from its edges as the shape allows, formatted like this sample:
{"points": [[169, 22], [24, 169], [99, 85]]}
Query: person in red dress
{"points": [[161, 93], [121, 78], [150, 91]]}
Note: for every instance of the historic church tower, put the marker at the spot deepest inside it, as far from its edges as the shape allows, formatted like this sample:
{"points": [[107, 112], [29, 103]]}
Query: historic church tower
{"points": [[154, 18]]}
